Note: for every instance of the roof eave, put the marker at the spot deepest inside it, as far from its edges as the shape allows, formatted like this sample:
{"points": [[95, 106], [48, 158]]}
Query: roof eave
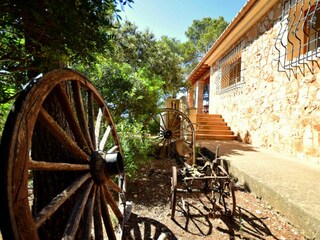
{"points": [[237, 19]]}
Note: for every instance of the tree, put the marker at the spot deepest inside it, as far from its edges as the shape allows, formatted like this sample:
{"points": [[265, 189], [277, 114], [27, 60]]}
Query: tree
{"points": [[170, 65], [35, 37], [38, 35], [159, 57], [140, 72], [205, 32], [201, 34], [130, 93]]}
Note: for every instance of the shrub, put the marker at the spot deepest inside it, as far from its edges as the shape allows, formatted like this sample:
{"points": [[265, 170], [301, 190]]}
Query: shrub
{"points": [[137, 149]]}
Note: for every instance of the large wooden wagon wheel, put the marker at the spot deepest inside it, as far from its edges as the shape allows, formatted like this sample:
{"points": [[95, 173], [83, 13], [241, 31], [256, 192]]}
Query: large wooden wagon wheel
{"points": [[60, 160], [171, 129]]}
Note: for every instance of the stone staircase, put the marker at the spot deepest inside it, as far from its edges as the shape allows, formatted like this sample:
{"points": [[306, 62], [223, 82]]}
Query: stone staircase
{"points": [[213, 127]]}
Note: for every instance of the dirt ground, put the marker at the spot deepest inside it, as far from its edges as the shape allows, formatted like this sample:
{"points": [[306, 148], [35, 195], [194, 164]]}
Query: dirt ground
{"points": [[151, 214]]}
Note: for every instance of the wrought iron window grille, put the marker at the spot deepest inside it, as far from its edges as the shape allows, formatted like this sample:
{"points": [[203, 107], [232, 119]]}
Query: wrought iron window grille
{"points": [[230, 69], [298, 40]]}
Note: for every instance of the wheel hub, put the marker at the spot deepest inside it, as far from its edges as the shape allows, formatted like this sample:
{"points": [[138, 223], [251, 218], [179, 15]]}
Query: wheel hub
{"points": [[168, 134], [98, 168], [103, 166]]}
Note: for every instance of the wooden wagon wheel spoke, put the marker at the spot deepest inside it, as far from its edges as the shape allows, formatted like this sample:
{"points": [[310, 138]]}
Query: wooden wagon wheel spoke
{"points": [[106, 215], [47, 211], [61, 135], [159, 124], [114, 186], [50, 166], [97, 216], [159, 137], [112, 203], [71, 118], [97, 126], [50, 163], [104, 138], [113, 149], [173, 121], [175, 138], [161, 141], [176, 130], [91, 118], [81, 112], [73, 223], [163, 122], [89, 213]]}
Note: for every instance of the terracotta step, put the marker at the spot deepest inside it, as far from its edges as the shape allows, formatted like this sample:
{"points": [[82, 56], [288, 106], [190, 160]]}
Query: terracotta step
{"points": [[210, 119], [214, 127], [213, 123], [208, 115], [214, 132], [215, 137]]}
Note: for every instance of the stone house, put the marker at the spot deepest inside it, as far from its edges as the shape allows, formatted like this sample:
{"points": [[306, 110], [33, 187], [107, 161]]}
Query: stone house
{"points": [[262, 76]]}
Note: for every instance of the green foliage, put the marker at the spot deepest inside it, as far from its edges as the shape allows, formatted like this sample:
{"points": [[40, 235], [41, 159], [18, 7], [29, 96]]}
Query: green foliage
{"points": [[39, 35], [130, 93], [141, 50], [132, 69], [141, 73], [201, 34], [5, 107], [137, 150], [4, 111]]}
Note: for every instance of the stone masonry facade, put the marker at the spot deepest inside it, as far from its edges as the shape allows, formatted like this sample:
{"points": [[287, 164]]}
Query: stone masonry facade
{"points": [[272, 109]]}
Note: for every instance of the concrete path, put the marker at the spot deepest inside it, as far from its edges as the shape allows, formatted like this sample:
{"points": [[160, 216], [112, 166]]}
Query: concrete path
{"points": [[289, 185]]}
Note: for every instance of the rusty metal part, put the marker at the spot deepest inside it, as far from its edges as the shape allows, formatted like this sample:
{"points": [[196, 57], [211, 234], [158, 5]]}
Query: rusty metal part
{"points": [[215, 183]]}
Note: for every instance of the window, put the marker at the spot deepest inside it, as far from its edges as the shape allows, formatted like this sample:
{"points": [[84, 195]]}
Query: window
{"points": [[312, 28], [298, 39], [230, 67]]}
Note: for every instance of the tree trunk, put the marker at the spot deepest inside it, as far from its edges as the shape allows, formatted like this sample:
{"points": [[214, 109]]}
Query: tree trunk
{"points": [[48, 184]]}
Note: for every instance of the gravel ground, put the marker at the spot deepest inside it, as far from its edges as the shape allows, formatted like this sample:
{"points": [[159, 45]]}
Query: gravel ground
{"points": [[151, 214]]}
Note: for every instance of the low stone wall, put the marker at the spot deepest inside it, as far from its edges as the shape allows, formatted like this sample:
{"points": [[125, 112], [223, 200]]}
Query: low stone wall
{"points": [[271, 109]]}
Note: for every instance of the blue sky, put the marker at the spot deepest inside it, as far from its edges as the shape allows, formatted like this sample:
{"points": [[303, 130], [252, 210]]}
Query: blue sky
{"points": [[173, 17]]}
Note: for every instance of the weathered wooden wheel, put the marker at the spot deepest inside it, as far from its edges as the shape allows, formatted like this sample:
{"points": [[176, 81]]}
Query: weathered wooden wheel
{"points": [[60, 160], [170, 128], [225, 193]]}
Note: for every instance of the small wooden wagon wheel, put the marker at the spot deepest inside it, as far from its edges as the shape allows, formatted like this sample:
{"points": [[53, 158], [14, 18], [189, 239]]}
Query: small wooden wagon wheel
{"points": [[225, 192], [60, 160], [168, 127]]}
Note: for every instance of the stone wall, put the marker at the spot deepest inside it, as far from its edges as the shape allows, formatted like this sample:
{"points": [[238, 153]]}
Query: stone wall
{"points": [[271, 109]]}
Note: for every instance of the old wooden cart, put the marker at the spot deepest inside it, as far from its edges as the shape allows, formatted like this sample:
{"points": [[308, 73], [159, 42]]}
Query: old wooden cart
{"points": [[193, 165], [61, 163]]}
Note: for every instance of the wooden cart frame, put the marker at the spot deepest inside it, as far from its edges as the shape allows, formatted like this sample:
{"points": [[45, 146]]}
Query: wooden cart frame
{"points": [[177, 137]]}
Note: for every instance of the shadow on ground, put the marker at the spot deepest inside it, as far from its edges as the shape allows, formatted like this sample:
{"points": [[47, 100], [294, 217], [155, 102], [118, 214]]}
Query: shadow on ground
{"points": [[228, 148], [146, 228], [200, 219]]}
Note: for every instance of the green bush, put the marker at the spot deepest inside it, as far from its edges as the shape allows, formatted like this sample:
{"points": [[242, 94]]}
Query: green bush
{"points": [[137, 149], [4, 111]]}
